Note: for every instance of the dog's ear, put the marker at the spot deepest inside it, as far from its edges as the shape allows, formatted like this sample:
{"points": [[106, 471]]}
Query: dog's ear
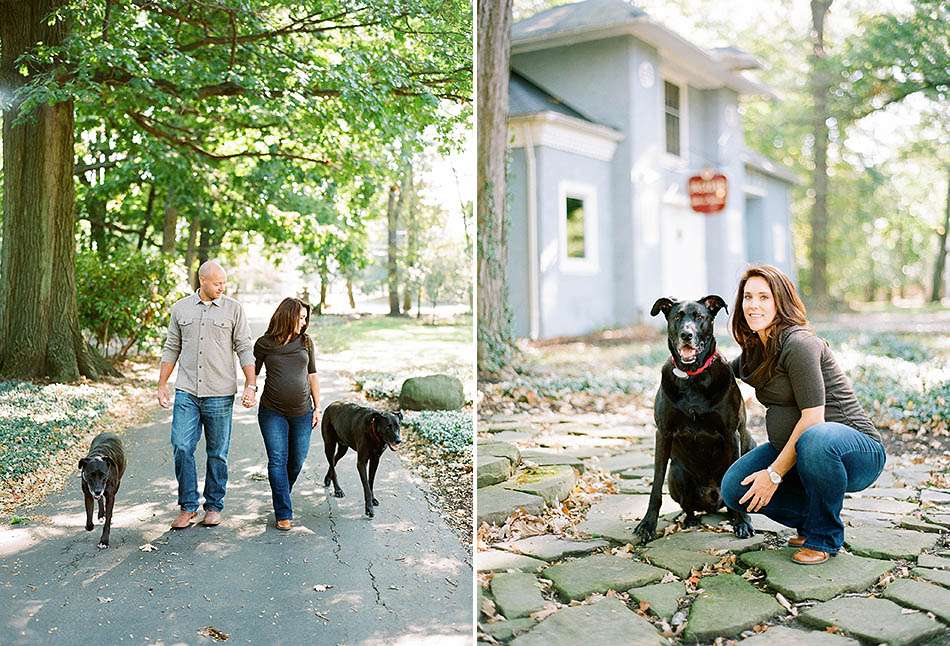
{"points": [[714, 303], [663, 305], [82, 463]]}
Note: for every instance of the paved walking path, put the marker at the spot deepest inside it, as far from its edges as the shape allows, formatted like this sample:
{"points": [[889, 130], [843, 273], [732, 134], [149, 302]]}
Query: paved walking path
{"points": [[336, 578], [898, 529]]}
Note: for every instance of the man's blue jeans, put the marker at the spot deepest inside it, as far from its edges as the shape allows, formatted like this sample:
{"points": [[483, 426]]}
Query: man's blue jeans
{"points": [[189, 415], [831, 459], [287, 440]]}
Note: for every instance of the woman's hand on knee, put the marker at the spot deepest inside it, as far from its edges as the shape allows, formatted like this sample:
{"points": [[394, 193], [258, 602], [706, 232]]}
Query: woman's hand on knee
{"points": [[760, 492]]}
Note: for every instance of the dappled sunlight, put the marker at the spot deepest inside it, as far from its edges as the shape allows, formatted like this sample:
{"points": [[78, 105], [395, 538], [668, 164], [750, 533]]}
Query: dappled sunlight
{"points": [[398, 526], [20, 621], [348, 598], [438, 564], [14, 541], [424, 639]]}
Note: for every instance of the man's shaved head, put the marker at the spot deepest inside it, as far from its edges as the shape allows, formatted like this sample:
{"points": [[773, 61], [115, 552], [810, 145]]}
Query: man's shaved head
{"points": [[212, 279], [209, 268]]}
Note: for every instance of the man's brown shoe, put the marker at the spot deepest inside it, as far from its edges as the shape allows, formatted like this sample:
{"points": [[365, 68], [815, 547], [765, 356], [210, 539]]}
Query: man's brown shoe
{"points": [[807, 556], [285, 525], [211, 519], [796, 541], [185, 519]]}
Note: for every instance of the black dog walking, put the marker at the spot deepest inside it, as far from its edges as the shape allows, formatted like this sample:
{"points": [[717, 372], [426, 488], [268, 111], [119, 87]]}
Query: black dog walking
{"points": [[368, 431], [699, 415], [102, 470]]}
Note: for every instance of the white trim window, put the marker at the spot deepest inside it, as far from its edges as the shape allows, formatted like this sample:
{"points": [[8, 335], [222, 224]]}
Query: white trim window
{"points": [[673, 118], [676, 143], [577, 227]]}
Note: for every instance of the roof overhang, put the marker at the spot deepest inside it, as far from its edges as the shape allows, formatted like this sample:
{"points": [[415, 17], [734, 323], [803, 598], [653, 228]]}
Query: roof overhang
{"points": [[766, 166], [565, 133], [702, 69]]}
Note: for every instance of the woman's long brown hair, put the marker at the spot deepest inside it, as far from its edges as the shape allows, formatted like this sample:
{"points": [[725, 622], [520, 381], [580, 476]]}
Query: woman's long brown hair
{"points": [[283, 323], [789, 311]]}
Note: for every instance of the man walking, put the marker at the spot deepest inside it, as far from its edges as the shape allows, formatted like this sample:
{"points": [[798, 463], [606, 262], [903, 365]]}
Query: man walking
{"points": [[205, 330]]}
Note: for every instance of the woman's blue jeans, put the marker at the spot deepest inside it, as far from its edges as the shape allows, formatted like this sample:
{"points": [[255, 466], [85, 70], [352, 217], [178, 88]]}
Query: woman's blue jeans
{"points": [[287, 440], [831, 459]]}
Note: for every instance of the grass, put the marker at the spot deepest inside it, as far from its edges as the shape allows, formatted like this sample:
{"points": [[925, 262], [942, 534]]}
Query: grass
{"points": [[394, 344]]}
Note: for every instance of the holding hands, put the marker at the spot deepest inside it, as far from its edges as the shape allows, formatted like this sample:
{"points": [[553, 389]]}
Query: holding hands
{"points": [[249, 398]]}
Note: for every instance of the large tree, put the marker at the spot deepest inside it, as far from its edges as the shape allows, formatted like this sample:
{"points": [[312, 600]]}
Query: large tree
{"points": [[39, 328], [494, 320], [287, 93]]}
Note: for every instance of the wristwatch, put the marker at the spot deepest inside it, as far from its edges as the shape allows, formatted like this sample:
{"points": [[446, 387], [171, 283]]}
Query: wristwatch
{"points": [[773, 475], [252, 387]]}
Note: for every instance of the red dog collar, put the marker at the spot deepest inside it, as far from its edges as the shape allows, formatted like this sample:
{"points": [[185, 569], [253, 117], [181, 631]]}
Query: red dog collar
{"points": [[692, 373]]}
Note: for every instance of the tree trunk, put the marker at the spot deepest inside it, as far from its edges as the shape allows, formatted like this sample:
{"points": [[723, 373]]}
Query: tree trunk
{"points": [[147, 219], [39, 326], [494, 320], [936, 291], [412, 238], [392, 217], [820, 84], [170, 223], [191, 251], [349, 293], [324, 284]]}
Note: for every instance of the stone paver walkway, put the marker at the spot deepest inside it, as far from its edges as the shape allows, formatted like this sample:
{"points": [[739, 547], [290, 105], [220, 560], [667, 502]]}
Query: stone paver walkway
{"points": [[596, 583]]}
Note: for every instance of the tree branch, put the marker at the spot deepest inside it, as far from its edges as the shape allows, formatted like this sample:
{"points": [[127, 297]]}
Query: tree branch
{"points": [[147, 124]]}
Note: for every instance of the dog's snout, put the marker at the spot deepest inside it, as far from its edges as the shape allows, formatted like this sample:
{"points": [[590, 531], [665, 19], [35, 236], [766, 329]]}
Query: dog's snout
{"points": [[686, 335]]}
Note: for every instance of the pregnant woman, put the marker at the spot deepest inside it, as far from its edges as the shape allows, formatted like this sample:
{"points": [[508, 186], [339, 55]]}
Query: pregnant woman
{"points": [[290, 403], [821, 442]]}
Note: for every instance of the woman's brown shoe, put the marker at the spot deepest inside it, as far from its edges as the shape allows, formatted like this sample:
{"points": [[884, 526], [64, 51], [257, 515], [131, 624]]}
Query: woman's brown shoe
{"points": [[796, 541], [284, 525], [807, 556]]}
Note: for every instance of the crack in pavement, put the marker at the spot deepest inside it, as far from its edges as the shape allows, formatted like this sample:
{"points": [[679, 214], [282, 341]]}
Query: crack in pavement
{"points": [[337, 548], [372, 580]]}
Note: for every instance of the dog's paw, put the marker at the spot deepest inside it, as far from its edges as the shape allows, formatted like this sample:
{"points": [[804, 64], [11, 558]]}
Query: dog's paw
{"points": [[691, 520], [89, 527], [338, 493], [744, 529], [326, 481], [369, 512], [646, 530], [375, 503], [103, 546]]}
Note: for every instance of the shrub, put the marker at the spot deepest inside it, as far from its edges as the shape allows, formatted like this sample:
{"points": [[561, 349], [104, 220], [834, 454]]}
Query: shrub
{"points": [[124, 299], [450, 429], [38, 421]]}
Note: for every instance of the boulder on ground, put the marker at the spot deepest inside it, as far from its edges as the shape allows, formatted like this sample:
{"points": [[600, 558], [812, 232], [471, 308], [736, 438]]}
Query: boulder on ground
{"points": [[432, 392]]}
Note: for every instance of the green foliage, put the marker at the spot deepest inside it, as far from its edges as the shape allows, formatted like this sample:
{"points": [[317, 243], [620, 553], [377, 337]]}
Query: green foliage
{"points": [[38, 421], [379, 385], [452, 430], [124, 299], [608, 383], [18, 520]]}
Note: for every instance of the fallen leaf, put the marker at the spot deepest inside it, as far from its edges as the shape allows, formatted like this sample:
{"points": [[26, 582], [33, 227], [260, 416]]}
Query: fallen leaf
{"points": [[321, 615], [148, 547], [322, 587], [104, 599], [644, 606], [214, 633], [548, 610], [909, 611], [832, 629], [759, 628]]}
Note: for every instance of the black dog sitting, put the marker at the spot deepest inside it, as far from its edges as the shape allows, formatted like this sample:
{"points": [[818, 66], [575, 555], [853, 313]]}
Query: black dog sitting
{"points": [[102, 470], [699, 415], [368, 431]]}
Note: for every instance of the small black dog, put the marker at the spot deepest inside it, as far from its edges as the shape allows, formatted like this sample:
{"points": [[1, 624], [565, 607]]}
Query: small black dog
{"points": [[699, 415], [102, 470], [347, 425]]}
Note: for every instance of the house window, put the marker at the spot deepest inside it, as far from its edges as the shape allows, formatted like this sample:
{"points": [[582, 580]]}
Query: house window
{"points": [[577, 204], [575, 228], [673, 114]]}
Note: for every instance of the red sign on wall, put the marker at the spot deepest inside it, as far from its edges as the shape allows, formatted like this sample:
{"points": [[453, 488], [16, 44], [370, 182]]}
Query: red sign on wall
{"points": [[707, 192]]}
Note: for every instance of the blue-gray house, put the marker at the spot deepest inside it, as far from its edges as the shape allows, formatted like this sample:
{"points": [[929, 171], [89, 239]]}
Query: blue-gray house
{"points": [[610, 113]]}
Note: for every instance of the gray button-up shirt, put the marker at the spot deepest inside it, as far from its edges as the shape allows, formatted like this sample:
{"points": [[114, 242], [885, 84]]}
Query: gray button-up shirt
{"points": [[202, 338]]}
